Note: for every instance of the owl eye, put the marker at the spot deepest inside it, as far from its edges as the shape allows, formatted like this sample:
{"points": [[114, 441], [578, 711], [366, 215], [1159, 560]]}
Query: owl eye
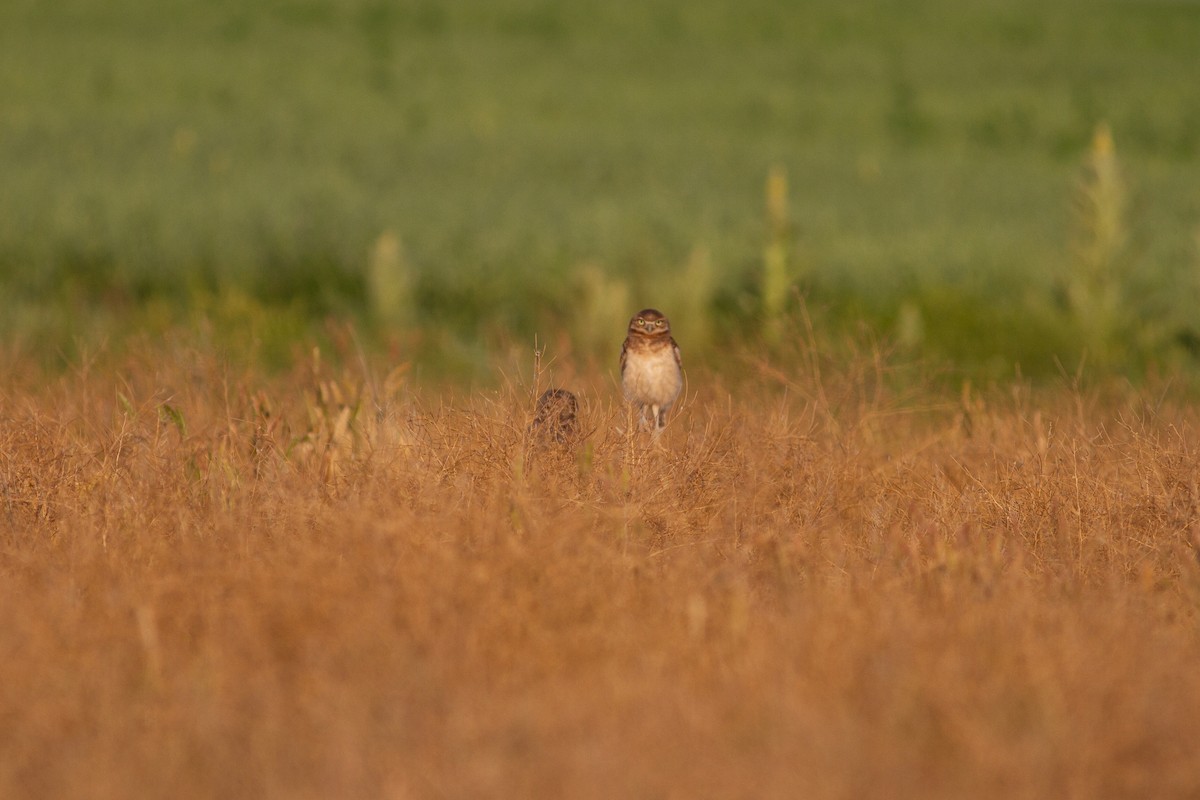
{"points": [[640, 321], [659, 323]]}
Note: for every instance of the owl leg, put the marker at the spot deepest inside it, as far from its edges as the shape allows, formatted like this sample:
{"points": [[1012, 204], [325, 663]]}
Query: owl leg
{"points": [[648, 419], [660, 419]]}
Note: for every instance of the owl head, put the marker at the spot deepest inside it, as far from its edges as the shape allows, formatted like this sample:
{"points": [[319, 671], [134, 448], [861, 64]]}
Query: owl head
{"points": [[650, 322]]}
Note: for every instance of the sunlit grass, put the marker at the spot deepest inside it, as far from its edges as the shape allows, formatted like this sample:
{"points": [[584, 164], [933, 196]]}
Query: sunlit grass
{"points": [[828, 578]]}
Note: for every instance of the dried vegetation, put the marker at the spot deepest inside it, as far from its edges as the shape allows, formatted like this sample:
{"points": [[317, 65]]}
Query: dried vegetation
{"points": [[328, 585]]}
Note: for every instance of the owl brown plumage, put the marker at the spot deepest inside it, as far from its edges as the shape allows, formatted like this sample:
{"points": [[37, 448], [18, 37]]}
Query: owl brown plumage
{"points": [[555, 418], [651, 368]]}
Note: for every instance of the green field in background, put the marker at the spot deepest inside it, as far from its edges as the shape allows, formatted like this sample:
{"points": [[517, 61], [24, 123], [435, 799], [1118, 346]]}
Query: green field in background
{"points": [[550, 167]]}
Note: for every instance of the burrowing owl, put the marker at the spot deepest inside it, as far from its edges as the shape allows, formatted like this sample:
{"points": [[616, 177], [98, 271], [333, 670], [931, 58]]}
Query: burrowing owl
{"points": [[555, 419], [650, 368]]}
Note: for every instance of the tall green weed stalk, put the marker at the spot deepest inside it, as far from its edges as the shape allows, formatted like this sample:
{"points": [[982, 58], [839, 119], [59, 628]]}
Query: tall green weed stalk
{"points": [[777, 274], [1097, 283], [603, 310], [389, 281]]}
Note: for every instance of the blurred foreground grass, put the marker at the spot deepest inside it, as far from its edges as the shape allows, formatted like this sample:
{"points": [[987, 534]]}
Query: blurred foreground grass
{"points": [[457, 177]]}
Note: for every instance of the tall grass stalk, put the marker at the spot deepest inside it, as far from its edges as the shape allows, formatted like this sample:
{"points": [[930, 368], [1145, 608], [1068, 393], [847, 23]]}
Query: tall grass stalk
{"points": [[1096, 286], [389, 281], [603, 312], [777, 278], [690, 297]]}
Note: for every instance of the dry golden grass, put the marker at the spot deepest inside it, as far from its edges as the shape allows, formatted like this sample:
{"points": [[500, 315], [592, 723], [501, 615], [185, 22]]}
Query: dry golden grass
{"points": [[218, 584]]}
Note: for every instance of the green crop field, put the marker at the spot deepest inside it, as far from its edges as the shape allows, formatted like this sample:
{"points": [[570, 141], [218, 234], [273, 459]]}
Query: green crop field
{"points": [[457, 177]]}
